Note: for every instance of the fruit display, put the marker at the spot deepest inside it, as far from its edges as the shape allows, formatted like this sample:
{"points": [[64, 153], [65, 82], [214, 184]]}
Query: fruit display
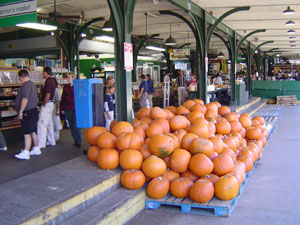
{"points": [[195, 150]]}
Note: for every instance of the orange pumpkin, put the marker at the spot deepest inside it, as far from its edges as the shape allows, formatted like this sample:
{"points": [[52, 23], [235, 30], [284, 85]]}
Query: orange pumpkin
{"points": [[154, 129], [200, 145], [245, 121], [202, 191], [106, 140], [199, 101], [226, 188], [129, 141], [176, 142], [122, 127], [154, 166], [253, 133], [230, 142], [158, 187], [131, 159], [179, 122], [179, 160], [223, 110], [140, 123], [232, 116], [132, 179], [181, 110], [260, 120], [223, 127], [248, 161], [194, 115], [201, 165], [172, 109], [170, 115], [92, 134], [180, 133], [211, 177], [145, 151], [161, 145], [146, 120], [180, 187], [202, 121], [200, 130], [171, 175], [199, 107], [112, 124], [158, 113], [187, 140], [139, 130], [108, 159], [211, 113], [189, 104], [92, 153], [164, 124], [217, 143], [167, 161], [212, 106], [211, 129], [229, 152], [247, 153], [223, 164], [193, 177], [143, 112], [218, 104], [213, 155], [236, 126]]}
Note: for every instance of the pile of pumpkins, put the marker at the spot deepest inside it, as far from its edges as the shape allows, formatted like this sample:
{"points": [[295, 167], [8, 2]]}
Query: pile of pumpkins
{"points": [[194, 150]]}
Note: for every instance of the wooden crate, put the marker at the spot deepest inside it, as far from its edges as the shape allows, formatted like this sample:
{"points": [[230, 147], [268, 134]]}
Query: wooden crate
{"points": [[288, 100]]}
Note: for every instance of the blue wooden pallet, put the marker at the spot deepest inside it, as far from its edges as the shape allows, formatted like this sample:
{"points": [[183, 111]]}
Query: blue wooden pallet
{"points": [[214, 207]]}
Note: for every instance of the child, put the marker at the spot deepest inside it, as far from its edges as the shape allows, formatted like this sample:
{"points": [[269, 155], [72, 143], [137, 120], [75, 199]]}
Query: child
{"points": [[109, 105]]}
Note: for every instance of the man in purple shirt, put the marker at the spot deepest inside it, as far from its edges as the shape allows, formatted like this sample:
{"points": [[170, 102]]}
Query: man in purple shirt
{"points": [[45, 123]]}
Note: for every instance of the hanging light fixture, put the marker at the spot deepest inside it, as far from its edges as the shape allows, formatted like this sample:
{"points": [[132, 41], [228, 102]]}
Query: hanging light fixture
{"points": [[108, 25], [170, 40], [221, 55], [291, 31], [292, 37], [292, 42], [288, 11], [290, 23], [293, 46]]}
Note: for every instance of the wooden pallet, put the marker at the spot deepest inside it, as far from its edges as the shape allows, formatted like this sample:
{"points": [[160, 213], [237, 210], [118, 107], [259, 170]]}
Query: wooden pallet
{"points": [[214, 207], [288, 100]]}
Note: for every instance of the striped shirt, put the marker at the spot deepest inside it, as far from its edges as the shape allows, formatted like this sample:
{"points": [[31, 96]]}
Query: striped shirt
{"points": [[181, 82]]}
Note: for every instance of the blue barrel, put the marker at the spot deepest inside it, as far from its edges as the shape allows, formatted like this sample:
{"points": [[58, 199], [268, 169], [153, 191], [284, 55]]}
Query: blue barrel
{"points": [[83, 91]]}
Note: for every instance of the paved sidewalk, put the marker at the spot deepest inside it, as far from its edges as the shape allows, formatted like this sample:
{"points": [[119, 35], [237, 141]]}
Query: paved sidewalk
{"points": [[271, 196]]}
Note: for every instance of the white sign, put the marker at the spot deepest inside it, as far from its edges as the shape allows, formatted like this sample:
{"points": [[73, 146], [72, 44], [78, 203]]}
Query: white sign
{"points": [[17, 8], [180, 54], [128, 56]]}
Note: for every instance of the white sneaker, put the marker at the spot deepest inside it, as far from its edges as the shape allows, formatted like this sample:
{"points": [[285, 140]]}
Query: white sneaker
{"points": [[23, 155], [3, 149], [49, 144], [35, 151]]}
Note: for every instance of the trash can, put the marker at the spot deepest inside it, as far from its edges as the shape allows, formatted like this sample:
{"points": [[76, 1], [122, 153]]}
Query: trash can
{"points": [[89, 106]]}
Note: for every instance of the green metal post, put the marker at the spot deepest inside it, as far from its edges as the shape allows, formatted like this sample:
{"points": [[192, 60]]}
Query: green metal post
{"points": [[232, 41], [136, 49], [265, 66], [122, 14], [248, 48]]}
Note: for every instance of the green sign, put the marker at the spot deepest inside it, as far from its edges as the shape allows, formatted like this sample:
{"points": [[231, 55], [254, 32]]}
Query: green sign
{"points": [[13, 12]]}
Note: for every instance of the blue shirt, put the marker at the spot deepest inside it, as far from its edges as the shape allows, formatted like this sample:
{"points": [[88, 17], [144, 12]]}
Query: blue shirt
{"points": [[150, 86], [109, 102], [144, 85]]}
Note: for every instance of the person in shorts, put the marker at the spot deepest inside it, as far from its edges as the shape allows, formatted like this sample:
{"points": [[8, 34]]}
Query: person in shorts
{"points": [[26, 106]]}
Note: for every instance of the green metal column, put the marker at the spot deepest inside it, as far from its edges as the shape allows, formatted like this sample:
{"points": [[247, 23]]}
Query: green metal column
{"points": [[137, 45], [122, 14], [248, 88], [232, 41], [265, 66]]}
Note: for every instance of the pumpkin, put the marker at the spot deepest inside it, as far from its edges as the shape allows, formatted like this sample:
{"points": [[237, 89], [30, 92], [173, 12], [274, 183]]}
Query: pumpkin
{"points": [[232, 116], [260, 120], [236, 126], [158, 113], [180, 187], [212, 106], [187, 140], [172, 109], [199, 101], [146, 120], [245, 121], [218, 104], [223, 164], [112, 124], [194, 115], [106, 140], [253, 133], [158, 187], [201, 165], [211, 177], [129, 141], [189, 104], [108, 159], [199, 107], [202, 191], [139, 130], [145, 151], [181, 110], [179, 160], [154, 129], [211, 129], [226, 188], [122, 127], [230, 142], [211, 113], [143, 112], [201, 145], [223, 110], [247, 153], [171, 175], [161, 145], [164, 124], [132, 179], [238, 177], [248, 161], [170, 115], [180, 133], [193, 177], [179, 122], [213, 155], [92, 134], [229, 152], [167, 161], [246, 115], [140, 123], [223, 127], [243, 132], [217, 143], [200, 121], [176, 142], [200, 130], [92, 153], [131, 159], [154, 166]]}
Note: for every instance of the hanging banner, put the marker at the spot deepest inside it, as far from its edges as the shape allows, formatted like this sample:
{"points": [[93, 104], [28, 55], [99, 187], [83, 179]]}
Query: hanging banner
{"points": [[180, 54], [128, 56]]}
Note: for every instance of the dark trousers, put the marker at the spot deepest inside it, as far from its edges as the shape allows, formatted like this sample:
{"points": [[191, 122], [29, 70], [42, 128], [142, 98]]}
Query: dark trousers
{"points": [[72, 123], [2, 140]]}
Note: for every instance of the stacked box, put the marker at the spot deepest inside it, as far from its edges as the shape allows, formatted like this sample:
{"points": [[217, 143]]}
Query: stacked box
{"points": [[288, 100]]}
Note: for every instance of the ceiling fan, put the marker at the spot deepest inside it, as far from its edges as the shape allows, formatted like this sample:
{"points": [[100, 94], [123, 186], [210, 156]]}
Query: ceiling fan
{"points": [[57, 16], [146, 37]]}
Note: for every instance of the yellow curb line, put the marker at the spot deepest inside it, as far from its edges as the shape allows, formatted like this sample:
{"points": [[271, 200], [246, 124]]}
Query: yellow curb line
{"points": [[247, 105], [51, 213], [127, 211], [251, 113]]}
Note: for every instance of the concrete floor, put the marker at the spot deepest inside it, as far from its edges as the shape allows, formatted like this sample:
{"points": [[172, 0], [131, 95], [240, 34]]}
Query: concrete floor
{"points": [[12, 168], [272, 195]]}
